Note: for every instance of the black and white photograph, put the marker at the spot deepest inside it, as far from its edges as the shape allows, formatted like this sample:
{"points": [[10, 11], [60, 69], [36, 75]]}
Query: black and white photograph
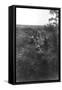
{"points": [[37, 44]]}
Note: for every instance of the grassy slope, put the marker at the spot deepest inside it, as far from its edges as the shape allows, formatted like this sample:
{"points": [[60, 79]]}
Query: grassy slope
{"points": [[31, 65]]}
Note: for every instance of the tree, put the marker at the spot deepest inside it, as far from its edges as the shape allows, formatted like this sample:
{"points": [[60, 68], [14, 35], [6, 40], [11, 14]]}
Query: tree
{"points": [[55, 19]]}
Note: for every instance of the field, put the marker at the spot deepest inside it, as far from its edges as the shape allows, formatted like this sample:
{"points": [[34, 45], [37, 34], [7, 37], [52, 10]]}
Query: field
{"points": [[37, 57]]}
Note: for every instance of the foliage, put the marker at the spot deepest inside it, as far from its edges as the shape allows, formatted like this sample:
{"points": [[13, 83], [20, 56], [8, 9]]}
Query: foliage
{"points": [[55, 19], [39, 56]]}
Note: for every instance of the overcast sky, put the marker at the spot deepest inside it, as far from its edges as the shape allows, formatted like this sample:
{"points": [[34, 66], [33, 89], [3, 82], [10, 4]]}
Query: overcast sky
{"points": [[26, 16]]}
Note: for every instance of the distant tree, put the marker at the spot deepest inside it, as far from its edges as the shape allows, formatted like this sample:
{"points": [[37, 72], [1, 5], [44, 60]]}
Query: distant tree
{"points": [[54, 19]]}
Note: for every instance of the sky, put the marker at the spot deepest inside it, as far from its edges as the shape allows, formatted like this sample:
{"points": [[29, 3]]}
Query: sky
{"points": [[25, 16]]}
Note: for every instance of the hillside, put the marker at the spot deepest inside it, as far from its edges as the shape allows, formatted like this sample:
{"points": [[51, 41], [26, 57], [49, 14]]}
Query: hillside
{"points": [[36, 53]]}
